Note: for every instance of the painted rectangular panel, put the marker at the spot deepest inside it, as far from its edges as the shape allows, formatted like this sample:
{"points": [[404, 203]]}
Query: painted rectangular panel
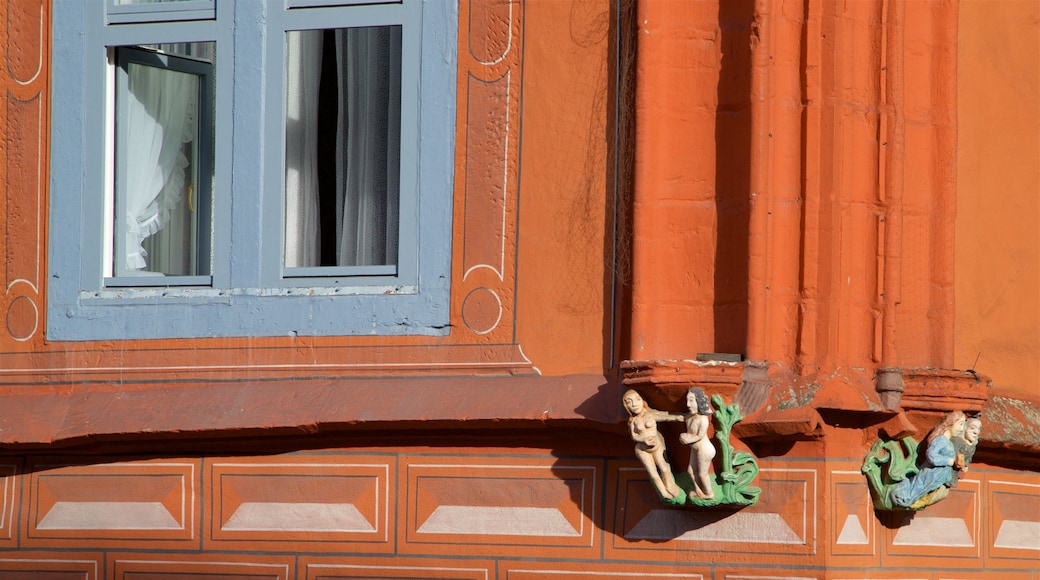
{"points": [[488, 168], [334, 502], [1012, 520], [853, 526], [497, 505], [945, 534], [879, 575], [22, 200], [143, 566], [783, 522], [761, 574], [145, 504], [487, 174], [23, 169], [1005, 575], [490, 29], [26, 28], [24, 565], [8, 496], [535, 570], [355, 568]]}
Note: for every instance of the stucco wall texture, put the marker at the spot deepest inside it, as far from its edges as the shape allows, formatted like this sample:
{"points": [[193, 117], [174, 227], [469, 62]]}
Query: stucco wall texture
{"points": [[998, 193], [776, 144]]}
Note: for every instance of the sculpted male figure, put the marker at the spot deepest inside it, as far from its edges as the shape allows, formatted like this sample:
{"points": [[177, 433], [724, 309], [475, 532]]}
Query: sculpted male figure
{"points": [[966, 443]]}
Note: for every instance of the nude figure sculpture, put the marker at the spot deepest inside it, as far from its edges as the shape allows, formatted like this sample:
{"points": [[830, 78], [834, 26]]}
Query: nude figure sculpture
{"points": [[650, 448], [701, 449]]}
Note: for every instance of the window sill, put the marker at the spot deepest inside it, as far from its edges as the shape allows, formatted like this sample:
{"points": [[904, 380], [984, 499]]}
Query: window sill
{"points": [[172, 312]]}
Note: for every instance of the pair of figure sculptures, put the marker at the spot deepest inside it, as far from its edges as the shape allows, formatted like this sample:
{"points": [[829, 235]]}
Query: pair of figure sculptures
{"points": [[650, 446], [901, 477]]}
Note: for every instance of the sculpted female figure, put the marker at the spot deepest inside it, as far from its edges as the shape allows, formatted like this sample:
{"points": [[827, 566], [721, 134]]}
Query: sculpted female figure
{"points": [[642, 425], [701, 449], [936, 473]]}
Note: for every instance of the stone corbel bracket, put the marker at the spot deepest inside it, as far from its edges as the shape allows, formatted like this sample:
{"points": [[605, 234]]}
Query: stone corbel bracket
{"points": [[665, 382], [928, 393], [944, 390]]}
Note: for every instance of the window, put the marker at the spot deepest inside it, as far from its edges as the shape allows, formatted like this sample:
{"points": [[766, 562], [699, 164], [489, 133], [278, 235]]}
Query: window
{"points": [[259, 168], [349, 189], [343, 151], [163, 158]]}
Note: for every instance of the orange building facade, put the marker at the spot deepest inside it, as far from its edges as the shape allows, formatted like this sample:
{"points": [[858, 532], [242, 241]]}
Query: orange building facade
{"points": [[824, 211]]}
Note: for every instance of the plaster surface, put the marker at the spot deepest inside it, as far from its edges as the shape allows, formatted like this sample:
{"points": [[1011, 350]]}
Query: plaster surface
{"points": [[998, 201]]}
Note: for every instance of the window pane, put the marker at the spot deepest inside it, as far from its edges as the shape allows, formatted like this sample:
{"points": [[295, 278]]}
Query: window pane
{"points": [[163, 154], [343, 147], [203, 51]]}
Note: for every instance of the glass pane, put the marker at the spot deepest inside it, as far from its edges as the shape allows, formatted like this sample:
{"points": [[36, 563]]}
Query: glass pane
{"points": [[163, 150], [204, 51], [127, 2], [342, 147]]}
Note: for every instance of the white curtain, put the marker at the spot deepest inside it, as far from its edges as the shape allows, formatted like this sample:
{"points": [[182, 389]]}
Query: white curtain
{"points": [[303, 75], [368, 67], [368, 145], [162, 108]]}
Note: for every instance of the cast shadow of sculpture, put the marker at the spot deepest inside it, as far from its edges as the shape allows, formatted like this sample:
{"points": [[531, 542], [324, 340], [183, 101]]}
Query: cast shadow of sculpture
{"points": [[731, 486], [906, 475]]}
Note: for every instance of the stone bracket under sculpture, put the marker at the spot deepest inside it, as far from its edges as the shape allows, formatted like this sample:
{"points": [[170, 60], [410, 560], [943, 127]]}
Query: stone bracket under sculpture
{"points": [[904, 474], [695, 486]]}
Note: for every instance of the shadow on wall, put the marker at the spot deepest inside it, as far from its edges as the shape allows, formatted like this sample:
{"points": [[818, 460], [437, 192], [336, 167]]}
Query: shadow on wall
{"points": [[733, 176]]}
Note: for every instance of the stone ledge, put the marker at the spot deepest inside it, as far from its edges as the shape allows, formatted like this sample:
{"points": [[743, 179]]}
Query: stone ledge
{"points": [[944, 390], [33, 416]]}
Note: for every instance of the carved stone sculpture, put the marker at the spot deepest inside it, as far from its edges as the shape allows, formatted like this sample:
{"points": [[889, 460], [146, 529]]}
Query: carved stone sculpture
{"points": [[965, 445], [736, 469], [907, 475], [701, 449], [650, 447]]}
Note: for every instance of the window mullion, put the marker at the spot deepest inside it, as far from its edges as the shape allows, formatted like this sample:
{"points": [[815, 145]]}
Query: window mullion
{"points": [[241, 151]]}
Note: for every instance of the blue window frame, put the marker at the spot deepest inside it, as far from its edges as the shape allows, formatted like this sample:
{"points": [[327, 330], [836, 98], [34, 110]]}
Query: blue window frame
{"points": [[249, 289], [130, 11], [155, 86]]}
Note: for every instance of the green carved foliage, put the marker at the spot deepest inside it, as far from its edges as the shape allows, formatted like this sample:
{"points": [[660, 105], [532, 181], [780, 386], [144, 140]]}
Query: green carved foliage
{"points": [[886, 464]]}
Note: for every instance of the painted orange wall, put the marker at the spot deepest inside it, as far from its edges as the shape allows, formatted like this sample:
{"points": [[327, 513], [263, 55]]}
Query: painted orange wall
{"points": [[565, 252], [998, 193], [675, 222]]}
